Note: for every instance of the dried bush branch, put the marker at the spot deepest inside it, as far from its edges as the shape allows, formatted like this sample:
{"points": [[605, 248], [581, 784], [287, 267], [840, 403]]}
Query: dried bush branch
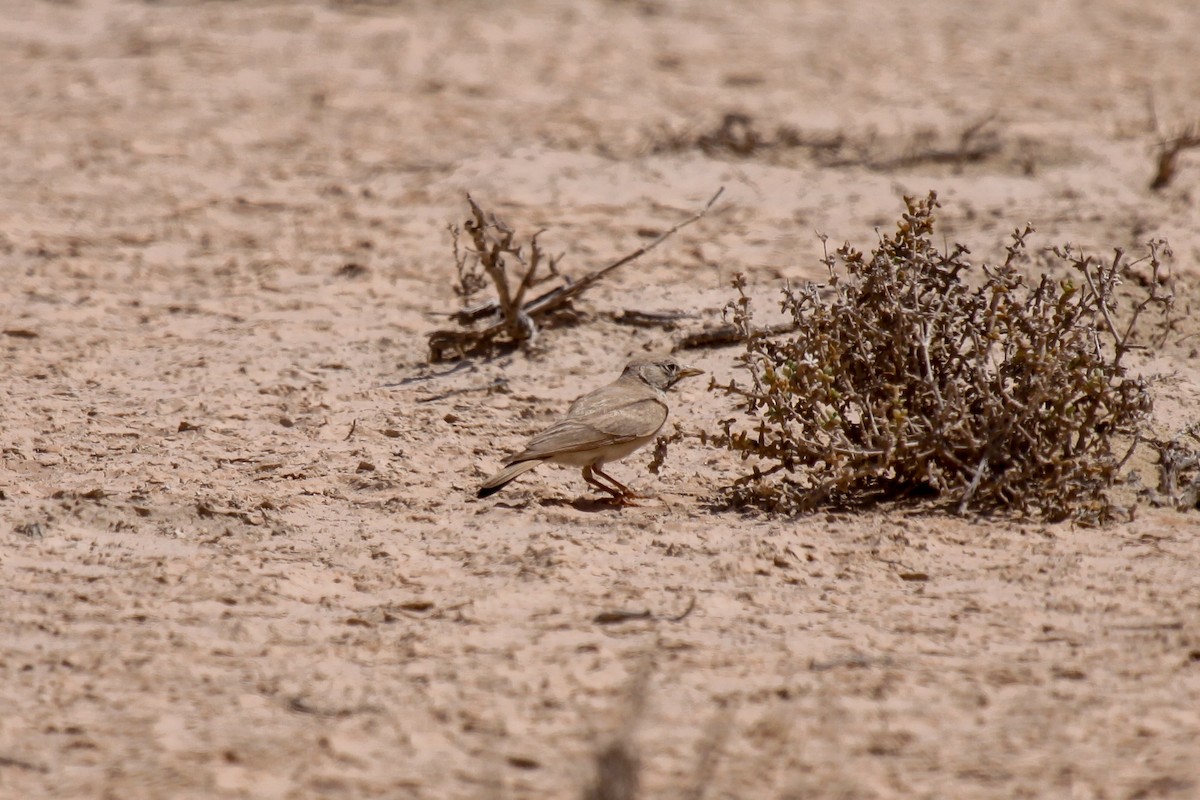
{"points": [[518, 320], [976, 142], [663, 320], [909, 382], [1179, 470], [660, 449], [727, 336], [1168, 155], [741, 136]]}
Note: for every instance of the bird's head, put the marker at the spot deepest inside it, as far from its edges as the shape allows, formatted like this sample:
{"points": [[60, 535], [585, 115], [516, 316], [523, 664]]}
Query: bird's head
{"points": [[661, 372]]}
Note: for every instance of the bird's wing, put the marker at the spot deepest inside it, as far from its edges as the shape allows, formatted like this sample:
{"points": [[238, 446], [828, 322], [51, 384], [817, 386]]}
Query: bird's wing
{"points": [[619, 393], [608, 425]]}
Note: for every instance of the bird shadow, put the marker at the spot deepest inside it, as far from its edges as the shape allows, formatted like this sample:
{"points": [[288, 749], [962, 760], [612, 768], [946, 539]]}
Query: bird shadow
{"points": [[588, 505]]}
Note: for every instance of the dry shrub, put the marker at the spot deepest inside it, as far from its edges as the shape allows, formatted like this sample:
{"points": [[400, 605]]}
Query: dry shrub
{"points": [[909, 381]]}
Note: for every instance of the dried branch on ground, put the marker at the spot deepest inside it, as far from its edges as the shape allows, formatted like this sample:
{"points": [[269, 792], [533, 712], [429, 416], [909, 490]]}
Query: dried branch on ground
{"points": [[727, 335], [1179, 470], [741, 136], [509, 319], [976, 142], [1009, 396], [1169, 151]]}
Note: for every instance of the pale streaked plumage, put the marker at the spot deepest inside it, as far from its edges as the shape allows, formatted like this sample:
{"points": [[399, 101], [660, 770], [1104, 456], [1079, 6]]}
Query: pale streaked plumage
{"points": [[602, 426]]}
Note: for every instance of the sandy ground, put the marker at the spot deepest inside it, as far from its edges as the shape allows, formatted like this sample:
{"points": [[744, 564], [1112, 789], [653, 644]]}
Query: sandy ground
{"points": [[238, 560]]}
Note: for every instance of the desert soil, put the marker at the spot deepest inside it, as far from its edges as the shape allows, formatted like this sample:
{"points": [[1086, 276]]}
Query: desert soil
{"points": [[241, 556]]}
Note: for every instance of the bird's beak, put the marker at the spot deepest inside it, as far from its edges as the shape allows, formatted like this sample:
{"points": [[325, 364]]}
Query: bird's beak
{"points": [[688, 372]]}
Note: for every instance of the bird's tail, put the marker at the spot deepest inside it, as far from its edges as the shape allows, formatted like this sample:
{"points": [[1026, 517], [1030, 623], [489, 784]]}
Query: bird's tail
{"points": [[505, 476]]}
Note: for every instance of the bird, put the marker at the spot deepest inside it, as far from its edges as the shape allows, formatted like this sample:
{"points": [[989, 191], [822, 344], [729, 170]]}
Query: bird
{"points": [[604, 425]]}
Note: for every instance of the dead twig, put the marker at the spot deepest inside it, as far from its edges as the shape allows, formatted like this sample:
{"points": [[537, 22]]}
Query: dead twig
{"points": [[1179, 469], [682, 615], [426, 376], [616, 616], [558, 297], [1168, 155], [977, 142], [494, 240], [740, 135], [727, 335], [666, 320]]}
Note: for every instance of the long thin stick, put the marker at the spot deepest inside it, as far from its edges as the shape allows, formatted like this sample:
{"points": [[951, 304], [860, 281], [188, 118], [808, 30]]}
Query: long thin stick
{"points": [[581, 285]]}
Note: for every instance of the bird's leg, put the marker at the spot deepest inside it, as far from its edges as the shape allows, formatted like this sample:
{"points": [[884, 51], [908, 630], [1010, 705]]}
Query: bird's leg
{"points": [[626, 492], [590, 478], [619, 495]]}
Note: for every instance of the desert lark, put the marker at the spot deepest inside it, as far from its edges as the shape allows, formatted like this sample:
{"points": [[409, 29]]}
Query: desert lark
{"points": [[604, 425]]}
